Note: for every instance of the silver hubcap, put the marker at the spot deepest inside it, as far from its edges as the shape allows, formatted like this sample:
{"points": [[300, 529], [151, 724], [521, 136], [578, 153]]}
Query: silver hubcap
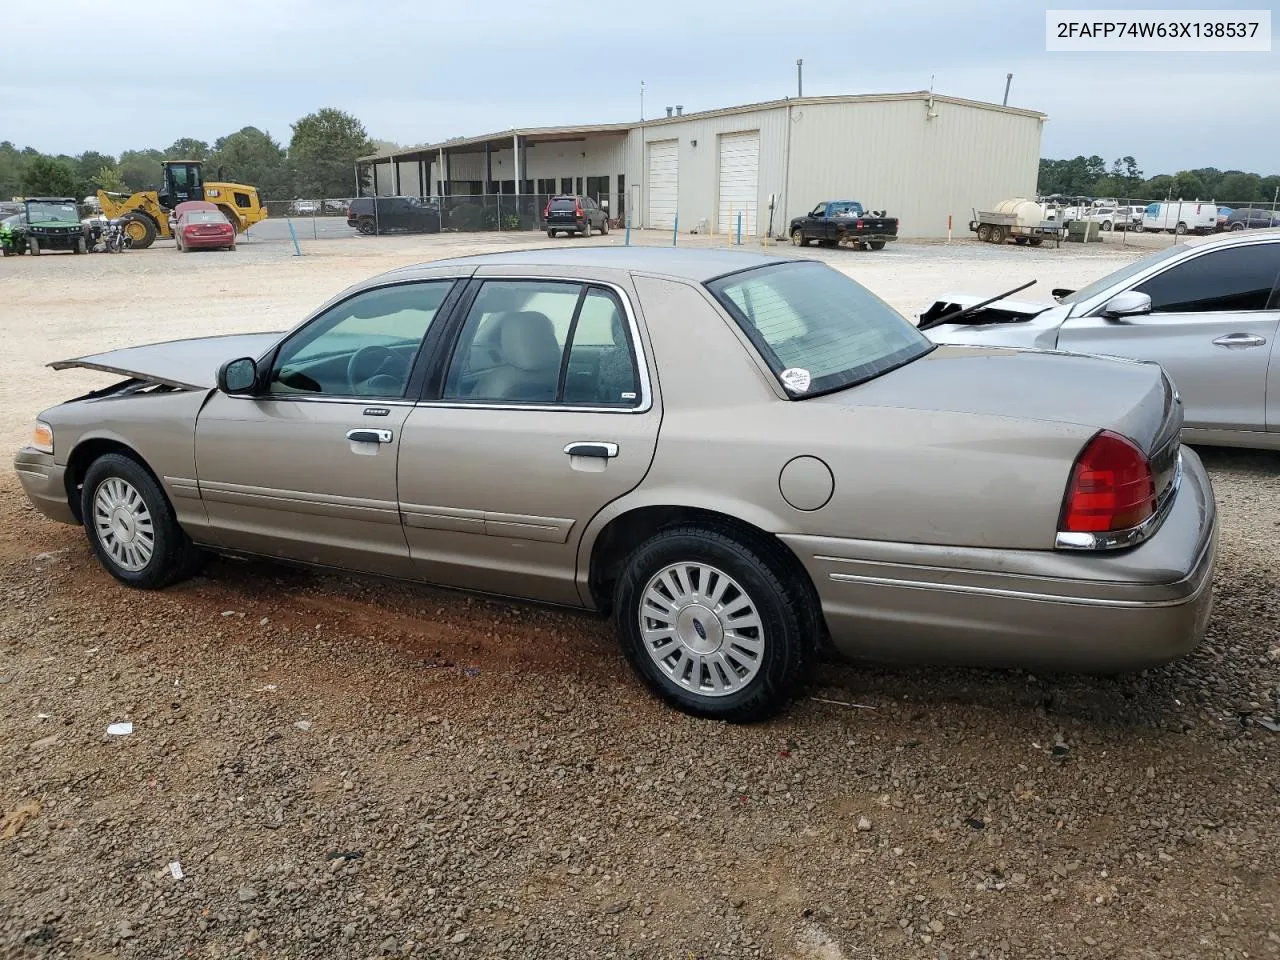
{"points": [[123, 523], [701, 629]]}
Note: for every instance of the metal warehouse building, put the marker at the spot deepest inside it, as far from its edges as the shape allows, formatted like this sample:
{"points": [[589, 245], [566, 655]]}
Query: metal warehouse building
{"points": [[922, 157]]}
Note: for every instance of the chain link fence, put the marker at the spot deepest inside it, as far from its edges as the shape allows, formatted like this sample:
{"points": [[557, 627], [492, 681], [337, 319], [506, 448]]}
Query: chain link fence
{"points": [[377, 216]]}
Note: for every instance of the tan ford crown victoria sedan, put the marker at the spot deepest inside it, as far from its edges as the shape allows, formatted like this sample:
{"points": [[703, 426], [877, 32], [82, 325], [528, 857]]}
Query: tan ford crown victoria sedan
{"points": [[743, 458]]}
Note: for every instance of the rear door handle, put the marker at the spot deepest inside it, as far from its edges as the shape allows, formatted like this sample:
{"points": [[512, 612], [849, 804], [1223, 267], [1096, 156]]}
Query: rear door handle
{"points": [[367, 435], [1240, 340], [592, 448]]}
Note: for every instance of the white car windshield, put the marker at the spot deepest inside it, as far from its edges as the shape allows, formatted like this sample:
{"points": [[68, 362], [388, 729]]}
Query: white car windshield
{"points": [[1124, 273]]}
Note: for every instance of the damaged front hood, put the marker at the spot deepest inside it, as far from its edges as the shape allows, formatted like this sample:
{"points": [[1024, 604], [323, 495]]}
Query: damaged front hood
{"points": [[1008, 309], [191, 364]]}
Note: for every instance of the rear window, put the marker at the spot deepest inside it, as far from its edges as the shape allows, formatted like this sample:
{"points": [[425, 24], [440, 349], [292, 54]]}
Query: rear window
{"points": [[559, 206], [205, 216], [817, 329]]}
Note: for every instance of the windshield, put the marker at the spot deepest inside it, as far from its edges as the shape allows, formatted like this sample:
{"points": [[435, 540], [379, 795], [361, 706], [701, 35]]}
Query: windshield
{"points": [[41, 211], [817, 329], [1124, 273]]}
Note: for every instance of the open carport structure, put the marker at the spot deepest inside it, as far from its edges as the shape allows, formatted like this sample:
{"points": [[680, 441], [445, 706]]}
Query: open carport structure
{"points": [[921, 156]]}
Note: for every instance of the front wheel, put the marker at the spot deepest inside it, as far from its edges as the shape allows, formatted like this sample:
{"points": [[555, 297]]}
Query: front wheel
{"points": [[140, 229], [798, 239], [131, 525], [1237, 226], [712, 623], [1107, 225], [984, 232]]}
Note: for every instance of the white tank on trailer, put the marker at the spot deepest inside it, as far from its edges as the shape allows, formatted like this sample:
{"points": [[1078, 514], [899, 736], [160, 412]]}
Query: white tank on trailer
{"points": [[1027, 213]]}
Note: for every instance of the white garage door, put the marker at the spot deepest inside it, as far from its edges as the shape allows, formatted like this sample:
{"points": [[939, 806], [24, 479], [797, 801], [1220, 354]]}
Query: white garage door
{"points": [[664, 179], [739, 180]]}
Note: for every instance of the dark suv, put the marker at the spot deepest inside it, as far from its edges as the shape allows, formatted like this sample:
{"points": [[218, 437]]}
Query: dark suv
{"points": [[572, 214], [408, 214]]}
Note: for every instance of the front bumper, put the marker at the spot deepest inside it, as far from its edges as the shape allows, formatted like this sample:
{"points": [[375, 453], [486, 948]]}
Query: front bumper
{"points": [[1052, 610], [42, 481]]}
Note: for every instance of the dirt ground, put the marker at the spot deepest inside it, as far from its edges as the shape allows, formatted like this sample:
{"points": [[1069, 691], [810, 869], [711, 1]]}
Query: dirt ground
{"points": [[346, 768]]}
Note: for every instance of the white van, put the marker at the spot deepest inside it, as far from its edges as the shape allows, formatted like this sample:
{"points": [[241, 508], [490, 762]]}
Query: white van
{"points": [[1181, 216]]}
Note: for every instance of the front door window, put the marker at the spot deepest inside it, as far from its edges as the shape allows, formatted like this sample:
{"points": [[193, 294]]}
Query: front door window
{"points": [[363, 347]]}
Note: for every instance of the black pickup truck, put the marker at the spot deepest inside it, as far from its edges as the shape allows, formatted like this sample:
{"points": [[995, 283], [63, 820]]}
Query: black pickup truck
{"points": [[834, 222]]}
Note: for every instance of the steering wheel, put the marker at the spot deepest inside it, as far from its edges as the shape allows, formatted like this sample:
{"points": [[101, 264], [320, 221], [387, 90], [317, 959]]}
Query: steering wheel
{"points": [[378, 363]]}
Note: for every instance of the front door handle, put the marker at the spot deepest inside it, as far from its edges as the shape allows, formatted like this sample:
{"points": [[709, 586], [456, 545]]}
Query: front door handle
{"points": [[368, 435], [592, 448], [1240, 340]]}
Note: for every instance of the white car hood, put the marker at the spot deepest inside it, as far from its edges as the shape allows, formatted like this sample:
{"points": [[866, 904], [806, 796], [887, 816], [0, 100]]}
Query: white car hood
{"points": [[1015, 323]]}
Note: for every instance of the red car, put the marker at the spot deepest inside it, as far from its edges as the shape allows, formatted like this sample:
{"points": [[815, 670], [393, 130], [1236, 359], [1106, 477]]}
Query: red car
{"points": [[197, 229]]}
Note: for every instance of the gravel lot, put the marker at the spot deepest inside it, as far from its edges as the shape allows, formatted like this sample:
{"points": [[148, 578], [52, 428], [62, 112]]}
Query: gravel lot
{"points": [[346, 768]]}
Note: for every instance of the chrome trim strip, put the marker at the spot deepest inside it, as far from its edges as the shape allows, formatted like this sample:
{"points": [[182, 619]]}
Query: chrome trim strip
{"points": [[1021, 595], [300, 501], [1118, 539], [452, 519], [183, 487], [520, 527], [307, 398]]}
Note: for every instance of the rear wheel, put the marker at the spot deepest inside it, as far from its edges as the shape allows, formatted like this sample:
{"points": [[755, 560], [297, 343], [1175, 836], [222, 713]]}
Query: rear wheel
{"points": [[586, 229], [798, 239], [997, 233], [604, 228], [1036, 241], [1237, 226], [713, 623], [367, 226], [551, 234], [1107, 225], [140, 229], [876, 244], [131, 525], [984, 232], [1180, 229]]}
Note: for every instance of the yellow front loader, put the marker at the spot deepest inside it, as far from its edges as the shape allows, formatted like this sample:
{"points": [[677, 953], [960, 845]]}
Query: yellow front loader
{"points": [[146, 213]]}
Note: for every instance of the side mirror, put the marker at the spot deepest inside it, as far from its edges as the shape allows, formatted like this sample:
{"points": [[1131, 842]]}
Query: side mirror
{"points": [[1127, 304], [238, 377]]}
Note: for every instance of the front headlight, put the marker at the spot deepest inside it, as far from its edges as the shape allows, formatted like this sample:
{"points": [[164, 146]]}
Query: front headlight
{"points": [[42, 437]]}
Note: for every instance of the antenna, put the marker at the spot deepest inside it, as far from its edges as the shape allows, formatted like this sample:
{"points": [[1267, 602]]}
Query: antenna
{"points": [[642, 101], [800, 78], [1008, 80]]}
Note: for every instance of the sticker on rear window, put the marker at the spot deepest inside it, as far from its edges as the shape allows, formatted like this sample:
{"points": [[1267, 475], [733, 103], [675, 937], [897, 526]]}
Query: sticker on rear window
{"points": [[795, 379]]}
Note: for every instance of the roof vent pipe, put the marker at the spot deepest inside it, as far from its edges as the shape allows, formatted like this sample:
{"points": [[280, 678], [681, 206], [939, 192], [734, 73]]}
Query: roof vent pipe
{"points": [[668, 111], [680, 110]]}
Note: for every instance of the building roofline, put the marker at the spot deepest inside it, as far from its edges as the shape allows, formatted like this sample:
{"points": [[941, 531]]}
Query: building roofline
{"points": [[594, 128]]}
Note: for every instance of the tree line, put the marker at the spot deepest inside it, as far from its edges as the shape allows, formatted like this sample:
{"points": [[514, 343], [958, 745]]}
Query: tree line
{"points": [[318, 162], [1090, 177]]}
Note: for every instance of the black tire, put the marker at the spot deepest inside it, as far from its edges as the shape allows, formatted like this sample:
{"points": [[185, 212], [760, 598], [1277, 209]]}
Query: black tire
{"points": [[140, 228], [876, 244], [997, 234], [174, 557], [786, 630], [604, 228], [798, 238], [984, 232], [1036, 241], [586, 229], [1238, 225], [367, 226], [34, 246], [1107, 225], [551, 234], [1180, 229], [81, 246]]}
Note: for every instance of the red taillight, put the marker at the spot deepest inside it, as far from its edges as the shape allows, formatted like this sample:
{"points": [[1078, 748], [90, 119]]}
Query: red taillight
{"points": [[1111, 487], [546, 212], [859, 224], [577, 210]]}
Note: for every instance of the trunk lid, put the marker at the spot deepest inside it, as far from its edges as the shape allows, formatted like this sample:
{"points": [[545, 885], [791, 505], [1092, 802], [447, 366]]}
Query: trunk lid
{"points": [[1132, 398], [191, 364]]}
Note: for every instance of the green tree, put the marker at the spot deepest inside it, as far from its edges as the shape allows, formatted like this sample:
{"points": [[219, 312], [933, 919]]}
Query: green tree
{"points": [[108, 178], [87, 166], [323, 152], [1157, 188], [48, 177], [11, 163], [141, 170], [186, 148], [1187, 185], [1267, 189], [1238, 187], [253, 157]]}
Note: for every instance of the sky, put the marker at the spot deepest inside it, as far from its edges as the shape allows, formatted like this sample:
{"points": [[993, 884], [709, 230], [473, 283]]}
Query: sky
{"points": [[417, 71]]}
